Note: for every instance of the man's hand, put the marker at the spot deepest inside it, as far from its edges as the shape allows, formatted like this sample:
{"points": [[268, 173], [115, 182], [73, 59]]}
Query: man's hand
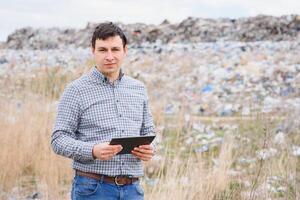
{"points": [[104, 151], [143, 152]]}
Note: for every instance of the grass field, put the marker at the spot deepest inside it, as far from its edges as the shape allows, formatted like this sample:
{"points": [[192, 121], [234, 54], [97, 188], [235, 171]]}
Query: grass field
{"points": [[248, 162]]}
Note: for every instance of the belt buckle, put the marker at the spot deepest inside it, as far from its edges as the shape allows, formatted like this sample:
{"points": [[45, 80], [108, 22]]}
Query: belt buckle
{"points": [[116, 181]]}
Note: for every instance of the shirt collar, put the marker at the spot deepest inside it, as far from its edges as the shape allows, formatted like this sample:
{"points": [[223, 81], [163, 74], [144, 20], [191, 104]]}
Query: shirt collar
{"points": [[101, 77]]}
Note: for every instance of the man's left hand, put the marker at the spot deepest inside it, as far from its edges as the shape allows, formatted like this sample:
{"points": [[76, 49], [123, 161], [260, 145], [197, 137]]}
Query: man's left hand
{"points": [[143, 152]]}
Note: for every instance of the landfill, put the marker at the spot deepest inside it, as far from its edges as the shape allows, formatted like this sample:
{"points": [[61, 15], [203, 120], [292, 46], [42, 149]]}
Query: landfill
{"points": [[190, 30], [198, 69]]}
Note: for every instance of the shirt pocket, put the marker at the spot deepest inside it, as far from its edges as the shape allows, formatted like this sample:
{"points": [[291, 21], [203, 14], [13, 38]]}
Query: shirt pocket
{"points": [[134, 108], [99, 112]]}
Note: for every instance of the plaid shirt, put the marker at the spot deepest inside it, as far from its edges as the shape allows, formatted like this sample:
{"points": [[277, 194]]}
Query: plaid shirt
{"points": [[92, 110]]}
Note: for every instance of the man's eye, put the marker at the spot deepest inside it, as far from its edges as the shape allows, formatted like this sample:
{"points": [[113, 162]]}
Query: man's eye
{"points": [[101, 50], [116, 49]]}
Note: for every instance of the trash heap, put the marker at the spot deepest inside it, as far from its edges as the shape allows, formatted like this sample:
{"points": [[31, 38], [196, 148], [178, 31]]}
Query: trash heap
{"points": [[210, 79], [198, 69], [190, 30], [223, 78]]}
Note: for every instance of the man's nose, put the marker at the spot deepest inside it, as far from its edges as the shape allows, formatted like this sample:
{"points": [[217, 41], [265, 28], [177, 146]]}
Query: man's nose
{"points": [[109, 55]]}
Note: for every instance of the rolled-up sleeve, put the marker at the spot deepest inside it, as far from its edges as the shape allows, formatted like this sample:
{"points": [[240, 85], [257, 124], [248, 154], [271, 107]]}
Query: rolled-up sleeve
{"points": [[63, 139]]}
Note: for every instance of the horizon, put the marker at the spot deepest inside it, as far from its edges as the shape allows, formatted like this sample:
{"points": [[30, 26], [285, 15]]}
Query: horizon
{"points": [[16, 14]]}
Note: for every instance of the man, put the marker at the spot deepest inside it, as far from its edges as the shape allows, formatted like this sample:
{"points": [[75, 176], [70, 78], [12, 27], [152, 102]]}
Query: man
{"points": [[101, 105]]}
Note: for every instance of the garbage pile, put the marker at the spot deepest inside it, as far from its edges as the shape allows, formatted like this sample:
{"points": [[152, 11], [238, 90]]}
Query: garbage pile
{"points": [[210, 79], [200, 67], [190, 30], [223, 78]]}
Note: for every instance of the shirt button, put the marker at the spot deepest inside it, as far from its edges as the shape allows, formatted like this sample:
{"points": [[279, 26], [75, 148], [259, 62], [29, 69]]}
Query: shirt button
{"points": [[120, 115], [123, 131], [123, 163], [117, 101]]}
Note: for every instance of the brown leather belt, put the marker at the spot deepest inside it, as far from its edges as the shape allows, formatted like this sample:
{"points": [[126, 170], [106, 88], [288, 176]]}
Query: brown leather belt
{"points": [[118, 180]]}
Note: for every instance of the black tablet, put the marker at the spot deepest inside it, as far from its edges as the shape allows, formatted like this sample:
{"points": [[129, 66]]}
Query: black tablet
{"points": [[128, 143]]}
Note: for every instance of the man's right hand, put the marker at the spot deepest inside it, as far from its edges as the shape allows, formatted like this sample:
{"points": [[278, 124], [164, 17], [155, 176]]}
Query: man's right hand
{"points": [[105, 151]]}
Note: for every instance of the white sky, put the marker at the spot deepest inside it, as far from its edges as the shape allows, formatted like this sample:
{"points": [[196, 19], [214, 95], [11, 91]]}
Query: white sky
{"points": [[76, 13]]}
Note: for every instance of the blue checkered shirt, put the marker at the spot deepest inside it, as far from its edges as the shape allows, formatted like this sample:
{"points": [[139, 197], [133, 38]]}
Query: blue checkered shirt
{"points": [[92, 110]]}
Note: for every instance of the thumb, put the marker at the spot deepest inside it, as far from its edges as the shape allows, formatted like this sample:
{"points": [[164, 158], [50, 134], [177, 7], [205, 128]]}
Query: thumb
{"points": [[120, 148]]}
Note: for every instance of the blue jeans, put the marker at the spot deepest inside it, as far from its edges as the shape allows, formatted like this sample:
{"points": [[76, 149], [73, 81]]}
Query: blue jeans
{"points": [[85, 188]]}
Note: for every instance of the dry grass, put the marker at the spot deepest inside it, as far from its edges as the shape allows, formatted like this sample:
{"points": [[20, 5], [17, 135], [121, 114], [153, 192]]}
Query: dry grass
{"points": [[28, 164], [26, 153], [191, 178]]}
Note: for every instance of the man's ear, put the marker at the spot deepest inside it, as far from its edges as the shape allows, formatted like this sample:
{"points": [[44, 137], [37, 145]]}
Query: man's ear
{"points": [[93, 50]]}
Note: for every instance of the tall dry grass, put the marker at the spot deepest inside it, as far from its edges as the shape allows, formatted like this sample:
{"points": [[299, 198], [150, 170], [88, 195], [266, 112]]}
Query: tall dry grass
{"points": [[191, 178], [28, 164]]}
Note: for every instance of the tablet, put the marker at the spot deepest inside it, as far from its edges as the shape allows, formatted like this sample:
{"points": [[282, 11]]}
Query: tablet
{"points": [[128, 143]]}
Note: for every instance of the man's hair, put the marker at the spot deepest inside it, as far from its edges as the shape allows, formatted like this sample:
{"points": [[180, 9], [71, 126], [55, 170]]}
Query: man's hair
{"points": [[106, 30]]}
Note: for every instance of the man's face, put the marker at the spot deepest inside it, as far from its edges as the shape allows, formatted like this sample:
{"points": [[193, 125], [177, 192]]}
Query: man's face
{"points": [[109, 55]]}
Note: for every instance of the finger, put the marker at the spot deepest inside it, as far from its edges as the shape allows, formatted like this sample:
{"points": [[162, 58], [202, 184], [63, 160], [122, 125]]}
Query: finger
{"points": [[145, 151], [141, 155], [106, 158], [137, 156], [146, 146], [113, 147], [143, 158], [109, 152], [116, 150], [119, 147]]}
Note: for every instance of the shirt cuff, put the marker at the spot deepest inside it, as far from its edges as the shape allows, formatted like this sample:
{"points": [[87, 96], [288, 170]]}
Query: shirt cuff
{"points": [[87, 151]]}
